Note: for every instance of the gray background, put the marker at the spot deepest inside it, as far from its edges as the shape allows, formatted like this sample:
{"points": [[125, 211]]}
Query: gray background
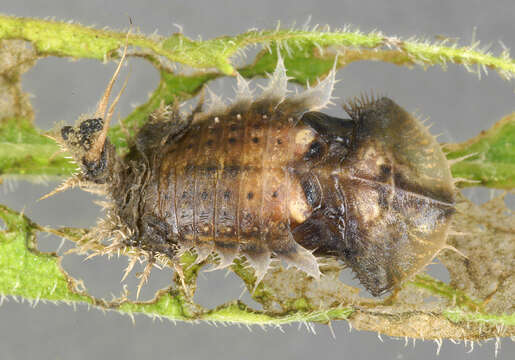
{"points": [[457, 103]]}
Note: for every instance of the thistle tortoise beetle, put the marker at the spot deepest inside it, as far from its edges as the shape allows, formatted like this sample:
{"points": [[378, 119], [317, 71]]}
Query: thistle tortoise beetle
{"points": [[272, 176]]}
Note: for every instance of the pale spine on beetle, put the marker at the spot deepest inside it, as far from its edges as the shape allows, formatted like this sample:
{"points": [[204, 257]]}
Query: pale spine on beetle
{"points": [[268, 176]]}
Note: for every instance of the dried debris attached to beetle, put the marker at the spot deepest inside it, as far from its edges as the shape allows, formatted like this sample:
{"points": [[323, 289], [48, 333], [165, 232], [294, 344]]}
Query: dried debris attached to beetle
{"points": [[269, 176]]}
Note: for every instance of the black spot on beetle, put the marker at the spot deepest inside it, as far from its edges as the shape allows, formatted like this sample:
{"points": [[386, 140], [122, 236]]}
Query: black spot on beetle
{"points": [[94, 170], [232, 140], [386, 170], [311, 191], [90, 126], [66, 131], [250, 195], [315, 151], [255, 140], [233, 170]]}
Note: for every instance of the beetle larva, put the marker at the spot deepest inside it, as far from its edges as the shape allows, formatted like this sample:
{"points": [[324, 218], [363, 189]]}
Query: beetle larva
{"points": [[271, 176]]}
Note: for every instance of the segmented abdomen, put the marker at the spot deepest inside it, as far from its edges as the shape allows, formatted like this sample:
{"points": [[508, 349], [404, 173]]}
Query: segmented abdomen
{"points": [[234, 190]]}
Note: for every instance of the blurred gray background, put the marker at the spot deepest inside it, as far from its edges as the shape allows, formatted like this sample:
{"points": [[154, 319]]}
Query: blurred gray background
{"points": [[458, 103]]}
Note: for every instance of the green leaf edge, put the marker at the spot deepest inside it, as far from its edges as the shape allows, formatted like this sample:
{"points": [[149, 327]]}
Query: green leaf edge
{"points": [[33, 270]]}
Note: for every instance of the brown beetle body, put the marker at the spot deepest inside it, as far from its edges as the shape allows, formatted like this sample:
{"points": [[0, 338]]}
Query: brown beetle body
{"points": [[271, 177], [232, 188]]}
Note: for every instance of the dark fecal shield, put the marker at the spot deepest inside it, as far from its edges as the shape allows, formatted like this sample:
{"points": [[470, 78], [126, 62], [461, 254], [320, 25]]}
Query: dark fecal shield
{"points": [[269, 177]]}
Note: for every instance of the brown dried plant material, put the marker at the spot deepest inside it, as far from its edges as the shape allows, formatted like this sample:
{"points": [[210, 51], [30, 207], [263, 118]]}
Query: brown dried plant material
{"points": [[17, 57], [487, 240]]}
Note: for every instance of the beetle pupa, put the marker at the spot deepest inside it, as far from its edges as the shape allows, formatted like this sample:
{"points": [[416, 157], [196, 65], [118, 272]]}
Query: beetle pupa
{"points": [[271, 176]]}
